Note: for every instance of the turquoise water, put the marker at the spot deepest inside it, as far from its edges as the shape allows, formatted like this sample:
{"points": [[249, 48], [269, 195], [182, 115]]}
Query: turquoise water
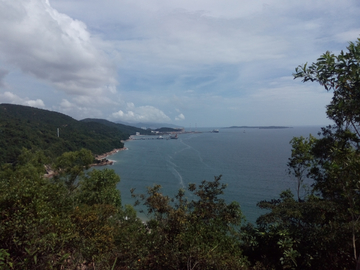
{"points": [[251, 161]]}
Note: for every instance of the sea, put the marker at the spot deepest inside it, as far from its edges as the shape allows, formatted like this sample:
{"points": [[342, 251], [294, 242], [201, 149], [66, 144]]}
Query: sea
{"points": [[252, 162]]}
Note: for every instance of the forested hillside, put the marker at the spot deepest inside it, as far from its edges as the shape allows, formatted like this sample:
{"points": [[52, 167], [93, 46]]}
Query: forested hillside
{"points": [[32, 128]]}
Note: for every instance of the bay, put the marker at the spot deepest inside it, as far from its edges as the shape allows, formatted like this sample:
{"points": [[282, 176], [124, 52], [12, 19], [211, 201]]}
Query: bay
{"points": [[252, 163]]}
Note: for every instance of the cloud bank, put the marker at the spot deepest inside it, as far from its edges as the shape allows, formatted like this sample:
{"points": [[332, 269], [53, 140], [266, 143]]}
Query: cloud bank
{"points": [[53, 47], [219, 63], [9, 97], [134, 114]]}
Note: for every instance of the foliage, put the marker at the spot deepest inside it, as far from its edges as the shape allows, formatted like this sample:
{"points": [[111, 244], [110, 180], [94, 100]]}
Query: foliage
{"points": [[301, 159], [32, 128], [196, 234], [313, 231], [76, 220], [43, 227], [32, 219], [340, 73], [99, 187], [321, 231], [337, 175], [70, 165]]}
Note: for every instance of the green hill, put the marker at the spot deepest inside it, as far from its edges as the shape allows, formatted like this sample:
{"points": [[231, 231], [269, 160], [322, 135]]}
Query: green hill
{"points": [[33, 128]]}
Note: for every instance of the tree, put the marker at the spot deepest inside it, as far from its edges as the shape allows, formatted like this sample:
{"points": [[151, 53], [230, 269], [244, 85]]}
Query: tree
{"points": [[340, 73], [338, 177], [301, 159], [99, 187], [71, 165], [324, 227], [42, 226], [34, 226], [199, 234]]}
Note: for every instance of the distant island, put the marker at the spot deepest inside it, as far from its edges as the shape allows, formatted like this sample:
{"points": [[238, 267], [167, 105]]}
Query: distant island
{"points": [[168, 130], [260, 127]]}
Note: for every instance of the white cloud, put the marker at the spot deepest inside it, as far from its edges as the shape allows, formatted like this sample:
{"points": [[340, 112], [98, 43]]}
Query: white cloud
{"points": [[53, 47], [9, 97], [81, 107], [65, 104], [141, 114], [230, 55], [35, 103], [180, 117], [180, 34], [79, 111], [130, 105]]}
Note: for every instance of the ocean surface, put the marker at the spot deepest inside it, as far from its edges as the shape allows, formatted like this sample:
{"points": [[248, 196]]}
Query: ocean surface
{"points": [[252, 163]]}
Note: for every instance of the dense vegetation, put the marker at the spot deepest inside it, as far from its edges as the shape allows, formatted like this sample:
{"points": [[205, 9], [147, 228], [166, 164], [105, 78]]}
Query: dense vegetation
{"points": [[32, 128], [76, 219]]}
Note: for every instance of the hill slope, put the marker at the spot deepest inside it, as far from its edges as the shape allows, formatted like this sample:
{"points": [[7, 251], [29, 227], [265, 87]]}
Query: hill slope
{"points": [[33, 128]]}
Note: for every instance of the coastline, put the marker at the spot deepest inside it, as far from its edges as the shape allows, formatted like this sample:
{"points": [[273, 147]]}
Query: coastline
{"points": [[103, 161]]}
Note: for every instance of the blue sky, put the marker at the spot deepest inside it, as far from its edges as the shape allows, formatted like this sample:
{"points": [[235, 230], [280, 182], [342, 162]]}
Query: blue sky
{"points": [[205, 63]]}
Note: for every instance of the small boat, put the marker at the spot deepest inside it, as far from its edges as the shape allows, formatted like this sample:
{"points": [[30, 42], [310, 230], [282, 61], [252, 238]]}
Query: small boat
{"points": [[173, 136], [160, 137], [215, 131]]}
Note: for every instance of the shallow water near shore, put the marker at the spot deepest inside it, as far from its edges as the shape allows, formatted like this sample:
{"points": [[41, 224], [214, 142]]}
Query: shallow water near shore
{"points": [[252, 163]]}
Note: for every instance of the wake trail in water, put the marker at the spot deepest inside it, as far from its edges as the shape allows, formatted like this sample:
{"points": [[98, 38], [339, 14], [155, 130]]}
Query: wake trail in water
{"points": [[185, 148], [198, 153], [171, 166]]}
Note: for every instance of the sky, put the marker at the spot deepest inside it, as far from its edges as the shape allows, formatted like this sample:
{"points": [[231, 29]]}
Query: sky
{"points": [[204, 63]]}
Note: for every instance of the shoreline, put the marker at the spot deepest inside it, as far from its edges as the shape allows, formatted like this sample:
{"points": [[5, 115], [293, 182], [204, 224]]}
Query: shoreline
{"points": [[103, 161], [103, 157]]}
